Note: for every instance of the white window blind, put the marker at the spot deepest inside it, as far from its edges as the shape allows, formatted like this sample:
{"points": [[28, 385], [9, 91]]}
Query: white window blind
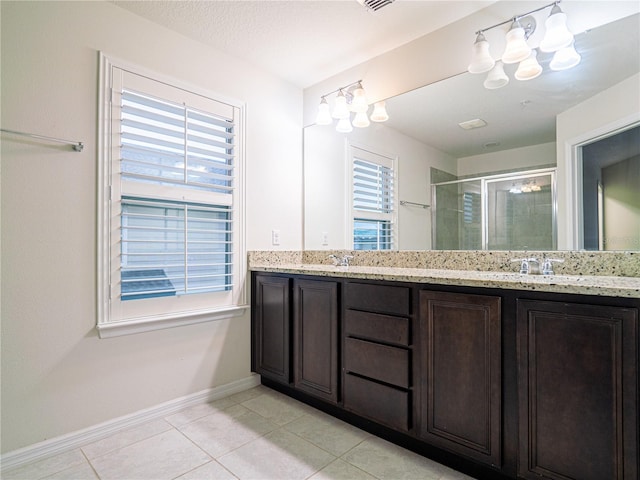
{"points": [[170, 144], [175, 248], [373, 201], [173, 227], [372, 187]]}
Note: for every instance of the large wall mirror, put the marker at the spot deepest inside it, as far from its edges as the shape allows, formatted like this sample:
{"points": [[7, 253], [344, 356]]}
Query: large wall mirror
{"points": [[523, 132]]}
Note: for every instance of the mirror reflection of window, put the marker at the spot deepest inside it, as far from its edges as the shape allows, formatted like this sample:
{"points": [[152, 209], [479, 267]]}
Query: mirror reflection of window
{"points": [[373, 207]]}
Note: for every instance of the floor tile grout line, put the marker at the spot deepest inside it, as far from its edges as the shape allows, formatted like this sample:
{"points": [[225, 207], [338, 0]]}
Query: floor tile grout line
{"points": [[102, 454], [90, 464]]}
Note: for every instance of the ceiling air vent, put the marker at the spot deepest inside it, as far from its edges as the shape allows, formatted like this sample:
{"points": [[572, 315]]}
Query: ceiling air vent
{"points": [[375, 5]]}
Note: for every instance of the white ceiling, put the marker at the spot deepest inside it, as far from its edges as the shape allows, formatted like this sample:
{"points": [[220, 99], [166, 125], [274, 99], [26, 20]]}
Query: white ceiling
{"points": [[302, 41]]}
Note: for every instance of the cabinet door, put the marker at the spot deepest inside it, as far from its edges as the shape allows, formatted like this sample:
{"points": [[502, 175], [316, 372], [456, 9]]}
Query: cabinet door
{"points": [[271, 326], [578, 391], [315, 345], [460, 374]]}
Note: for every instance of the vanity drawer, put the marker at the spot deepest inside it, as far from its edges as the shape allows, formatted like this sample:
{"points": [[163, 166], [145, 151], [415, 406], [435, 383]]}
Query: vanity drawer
{"points": [[373, 326], [381, 403], [380, 362], [378, 298]]}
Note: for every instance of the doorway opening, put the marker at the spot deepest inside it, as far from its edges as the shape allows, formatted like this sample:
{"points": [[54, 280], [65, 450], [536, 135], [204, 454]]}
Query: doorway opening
{"points": [[611, 191]]}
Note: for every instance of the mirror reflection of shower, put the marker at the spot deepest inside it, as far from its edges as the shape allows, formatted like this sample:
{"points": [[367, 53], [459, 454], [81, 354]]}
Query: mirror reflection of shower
{"points": [[515, 211], [611, 191]]}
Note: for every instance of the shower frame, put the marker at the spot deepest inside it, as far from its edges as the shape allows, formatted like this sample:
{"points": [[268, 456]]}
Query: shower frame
{"points": [[485, 181]]}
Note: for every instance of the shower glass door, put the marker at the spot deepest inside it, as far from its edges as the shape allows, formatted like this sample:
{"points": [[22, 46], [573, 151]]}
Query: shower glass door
{"points": [[458, 222], [499, 212], [520, 213]]}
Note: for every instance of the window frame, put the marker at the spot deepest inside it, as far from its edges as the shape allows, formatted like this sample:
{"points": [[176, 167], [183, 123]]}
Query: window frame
{"points": [[372, 155], [157, 313]]}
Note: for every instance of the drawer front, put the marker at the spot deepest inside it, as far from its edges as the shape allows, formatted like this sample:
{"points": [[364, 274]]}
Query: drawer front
{"points": [[374, 326], [378, 298], [383, 404], [380, 362]]}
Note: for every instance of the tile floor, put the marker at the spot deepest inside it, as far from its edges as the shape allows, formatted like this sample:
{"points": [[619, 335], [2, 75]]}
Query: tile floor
{"points": [[256, 434]]}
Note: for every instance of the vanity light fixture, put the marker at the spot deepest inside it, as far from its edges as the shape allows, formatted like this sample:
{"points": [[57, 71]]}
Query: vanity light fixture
{"points": [[556, 35], [529, 68], [496, 78], [517, 48], [350, 99], [482, 61], [379, 113], [557, 39], [565, 58]]}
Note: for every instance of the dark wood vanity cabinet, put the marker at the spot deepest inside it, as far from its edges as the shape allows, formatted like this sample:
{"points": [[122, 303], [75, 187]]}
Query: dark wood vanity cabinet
{"points": [[460, 373], [315, 338], [495, 383], [578, 391], [377, 353], [271, 304]]}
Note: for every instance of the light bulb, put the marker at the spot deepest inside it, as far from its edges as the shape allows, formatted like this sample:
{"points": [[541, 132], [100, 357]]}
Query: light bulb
{"points": [[361, 120], [340, 109], [517, 48], [379, 113], [481, 60], [344, 125], [324, 113], [496, 78], [565, 58], [529, 68], [359, 103], [557, 35]]}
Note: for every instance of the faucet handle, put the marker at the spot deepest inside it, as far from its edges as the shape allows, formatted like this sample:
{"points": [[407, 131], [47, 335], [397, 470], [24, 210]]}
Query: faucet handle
{"points": [[524, 264], [547, 265], [345, 260], [335, 258]]}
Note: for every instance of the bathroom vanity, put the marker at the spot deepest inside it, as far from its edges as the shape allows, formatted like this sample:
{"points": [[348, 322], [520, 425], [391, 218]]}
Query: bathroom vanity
{"points": [[493, 373]]}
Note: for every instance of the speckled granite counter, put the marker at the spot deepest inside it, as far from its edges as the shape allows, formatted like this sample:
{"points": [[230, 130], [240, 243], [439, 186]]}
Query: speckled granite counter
{"points": [[589, 284]]}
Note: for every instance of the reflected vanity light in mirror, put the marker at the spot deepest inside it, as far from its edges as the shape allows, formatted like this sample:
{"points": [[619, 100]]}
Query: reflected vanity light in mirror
{"points": [[529, 68], [482, 61], [349, 99], [496, 78], [557, 35], [517, 48], [379, 112], [565, 59]]}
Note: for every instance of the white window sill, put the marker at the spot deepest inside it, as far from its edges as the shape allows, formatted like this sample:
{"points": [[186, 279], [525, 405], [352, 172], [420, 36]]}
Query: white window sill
{"points": [[148, 324]]}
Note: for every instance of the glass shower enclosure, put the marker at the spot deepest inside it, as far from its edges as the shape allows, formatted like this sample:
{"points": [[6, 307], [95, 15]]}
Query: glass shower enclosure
{"points": [[515, 211]]}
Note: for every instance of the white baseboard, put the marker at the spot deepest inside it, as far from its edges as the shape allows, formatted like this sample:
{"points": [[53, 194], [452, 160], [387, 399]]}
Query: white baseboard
{"points": [[54, 446]]}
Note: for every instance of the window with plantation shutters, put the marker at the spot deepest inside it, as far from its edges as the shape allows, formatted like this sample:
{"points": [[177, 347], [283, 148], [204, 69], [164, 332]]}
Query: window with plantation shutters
{"points": [[373, 204], [173, 216]]}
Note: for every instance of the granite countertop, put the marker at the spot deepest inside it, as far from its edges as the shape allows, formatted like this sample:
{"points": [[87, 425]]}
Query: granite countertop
{"points": [[610, 286]]}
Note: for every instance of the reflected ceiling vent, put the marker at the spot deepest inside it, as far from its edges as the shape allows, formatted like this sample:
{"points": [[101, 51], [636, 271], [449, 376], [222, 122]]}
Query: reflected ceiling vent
{"points": [[375, 5], [471, 124]]}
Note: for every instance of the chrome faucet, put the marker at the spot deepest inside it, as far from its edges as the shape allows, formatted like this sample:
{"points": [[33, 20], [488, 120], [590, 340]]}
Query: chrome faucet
{"points": [[528, 265], [340, 261], [532, 266]]}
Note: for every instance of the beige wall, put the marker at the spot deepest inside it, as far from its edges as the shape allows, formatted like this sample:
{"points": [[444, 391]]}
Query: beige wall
{"points": [[57, 376], [514, 159]]}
